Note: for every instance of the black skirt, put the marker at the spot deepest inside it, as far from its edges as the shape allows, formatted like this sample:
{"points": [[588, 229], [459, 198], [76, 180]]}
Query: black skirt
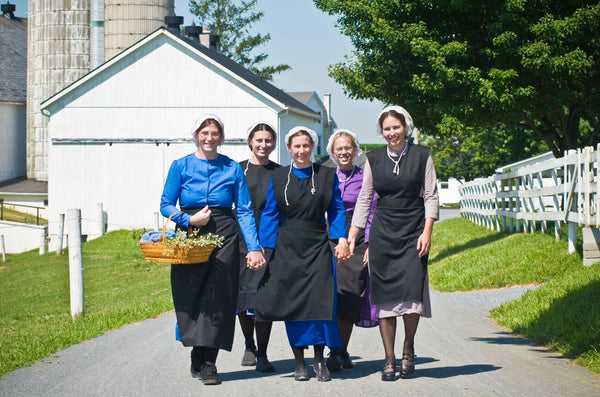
{"points": [[205, 294]]}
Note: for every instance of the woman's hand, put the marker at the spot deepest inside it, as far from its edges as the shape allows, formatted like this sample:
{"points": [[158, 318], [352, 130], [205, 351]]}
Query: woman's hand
{"points": [[352, 234], [424, 241], [342, 250], [201, 217], [255, 260], [366, 258]]}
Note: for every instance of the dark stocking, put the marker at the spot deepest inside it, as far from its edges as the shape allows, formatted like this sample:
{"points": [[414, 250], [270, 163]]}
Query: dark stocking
{"points": [[263, 333], [345, 325], [411, 321], [210, 355], [319, 353], [387, 329], [197, 357], [247, 324], [299, 356]]}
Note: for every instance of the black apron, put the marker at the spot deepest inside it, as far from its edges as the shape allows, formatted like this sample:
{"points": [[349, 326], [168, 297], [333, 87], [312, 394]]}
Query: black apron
{"points": [[298, 283], [397, 272], [351, 277], [205, 294], [257, 178]]}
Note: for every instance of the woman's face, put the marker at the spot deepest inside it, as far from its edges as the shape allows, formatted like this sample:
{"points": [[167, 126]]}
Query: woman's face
{"points": [[209, 138], [262, 144], [300, 148], [393, 132], [343, 151]]}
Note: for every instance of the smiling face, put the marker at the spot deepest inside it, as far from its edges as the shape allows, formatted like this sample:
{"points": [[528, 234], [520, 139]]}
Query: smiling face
{"points": [[344, 150], [393, 131], [262, 144], [300, 148], [208, 139]]}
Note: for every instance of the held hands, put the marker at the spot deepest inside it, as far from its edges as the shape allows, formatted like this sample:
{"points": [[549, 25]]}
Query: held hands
{"points": [[352, 233], [255, 260], [342, 250], [201, 217]]}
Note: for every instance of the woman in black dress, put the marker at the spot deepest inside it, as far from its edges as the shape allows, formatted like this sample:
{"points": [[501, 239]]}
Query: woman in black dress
{"points": [[404, 178], [299, 284], [258, 170]]}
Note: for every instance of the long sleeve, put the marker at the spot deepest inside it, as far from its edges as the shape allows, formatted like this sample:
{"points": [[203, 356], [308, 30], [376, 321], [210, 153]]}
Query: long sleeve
{"points": [[170, 196], [269, 220], [430, 192], [336, 213], [365, 199], [244, 211]]}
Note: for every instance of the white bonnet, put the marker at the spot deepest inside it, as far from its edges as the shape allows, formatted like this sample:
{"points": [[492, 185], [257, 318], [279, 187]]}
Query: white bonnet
{"points": [[313, 135], [409, 121], [205, 117], [253, 126], [334, 136]]}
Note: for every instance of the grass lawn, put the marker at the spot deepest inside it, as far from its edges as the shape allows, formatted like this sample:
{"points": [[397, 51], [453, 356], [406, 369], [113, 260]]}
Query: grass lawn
{"points": [[121, 288]]}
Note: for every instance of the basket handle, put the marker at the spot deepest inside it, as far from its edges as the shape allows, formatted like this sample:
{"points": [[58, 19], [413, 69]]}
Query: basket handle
{"points": [[166, 224]]}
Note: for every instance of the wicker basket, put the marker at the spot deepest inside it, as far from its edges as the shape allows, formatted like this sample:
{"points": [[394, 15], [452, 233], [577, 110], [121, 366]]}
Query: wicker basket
{"points": [[157, 251]]}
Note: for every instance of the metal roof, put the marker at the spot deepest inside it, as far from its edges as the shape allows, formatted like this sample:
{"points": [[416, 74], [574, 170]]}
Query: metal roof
{"points": [[13, 59]]}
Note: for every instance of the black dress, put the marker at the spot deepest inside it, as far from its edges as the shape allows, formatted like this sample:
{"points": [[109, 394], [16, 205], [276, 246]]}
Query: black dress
{"points": [[396, 271], [257, 178]]}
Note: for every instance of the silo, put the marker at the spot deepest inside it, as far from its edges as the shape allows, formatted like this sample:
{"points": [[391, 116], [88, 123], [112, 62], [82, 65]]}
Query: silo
{"points": [[58, 53], [127, 21]]}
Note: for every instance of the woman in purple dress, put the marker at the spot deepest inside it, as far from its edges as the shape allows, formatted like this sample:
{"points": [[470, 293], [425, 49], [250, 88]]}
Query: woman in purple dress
{"points": [[404, 178]]}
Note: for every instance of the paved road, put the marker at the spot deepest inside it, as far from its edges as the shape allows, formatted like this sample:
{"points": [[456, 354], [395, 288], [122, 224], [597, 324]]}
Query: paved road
{"points": [[460, 353]]}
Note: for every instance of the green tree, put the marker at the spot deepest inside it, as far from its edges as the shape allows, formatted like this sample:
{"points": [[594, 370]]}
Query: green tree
{"points": [[232, 20], [532, 64], [467, 153]]}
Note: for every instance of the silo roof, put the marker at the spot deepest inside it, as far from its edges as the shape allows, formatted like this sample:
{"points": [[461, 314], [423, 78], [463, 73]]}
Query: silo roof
{"points": [[13, 59]]}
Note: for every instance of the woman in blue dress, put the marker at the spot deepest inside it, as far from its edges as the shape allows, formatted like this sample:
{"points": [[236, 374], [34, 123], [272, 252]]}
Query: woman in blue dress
{"points": [[206, 184], [299, 283]]}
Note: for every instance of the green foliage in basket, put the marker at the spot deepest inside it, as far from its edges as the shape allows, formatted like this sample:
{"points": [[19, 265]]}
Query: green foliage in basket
{"points": [[184, 239]]}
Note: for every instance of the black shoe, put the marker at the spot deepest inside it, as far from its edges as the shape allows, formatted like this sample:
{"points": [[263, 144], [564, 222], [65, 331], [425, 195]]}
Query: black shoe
{"points": [[333, 363], [301, 373], [321, 371], [208, 374], [263, 365], [408, 365], [195, 372], [344, 358], [389, 372], [249, 358]]}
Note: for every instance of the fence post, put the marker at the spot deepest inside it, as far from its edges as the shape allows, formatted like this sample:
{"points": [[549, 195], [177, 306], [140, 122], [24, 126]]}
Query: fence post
{"points": [[572, 245], [43, 236], [2, 248], [99, 220], [75, 262], [61, 232]]}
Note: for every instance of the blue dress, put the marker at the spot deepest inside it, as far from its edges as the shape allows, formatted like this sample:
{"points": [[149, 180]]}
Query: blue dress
{"points": [[205, 294], [302, 270]]}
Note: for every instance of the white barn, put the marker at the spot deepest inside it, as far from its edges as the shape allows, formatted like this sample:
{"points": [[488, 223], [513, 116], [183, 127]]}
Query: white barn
{"points": [[115, 131]]}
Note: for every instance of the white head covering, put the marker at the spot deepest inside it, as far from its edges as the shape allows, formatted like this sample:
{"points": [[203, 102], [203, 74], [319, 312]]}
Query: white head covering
{"points": [[313, 135], [409, 121], [205, 117], [332, 139], [253, 126]]}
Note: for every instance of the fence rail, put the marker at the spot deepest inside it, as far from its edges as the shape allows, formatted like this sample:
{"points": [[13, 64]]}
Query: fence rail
{"points": [[563, 190]]}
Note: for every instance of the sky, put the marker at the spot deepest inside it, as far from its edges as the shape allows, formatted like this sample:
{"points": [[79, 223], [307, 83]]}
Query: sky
{"points": [[307, 40]]}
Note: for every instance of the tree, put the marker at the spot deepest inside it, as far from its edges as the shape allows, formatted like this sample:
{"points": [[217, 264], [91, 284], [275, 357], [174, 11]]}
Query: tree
{"points": [[468, 153], [530, 64], [232, 20]]}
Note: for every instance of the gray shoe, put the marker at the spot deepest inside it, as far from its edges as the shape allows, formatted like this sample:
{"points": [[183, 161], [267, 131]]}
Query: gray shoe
{"points": [[301, 373], [321, 372], [263, 365], [249, 358], [345, 360]]}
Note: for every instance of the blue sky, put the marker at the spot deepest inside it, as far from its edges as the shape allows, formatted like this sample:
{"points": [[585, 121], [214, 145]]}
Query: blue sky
{"points": [[308, 41]]}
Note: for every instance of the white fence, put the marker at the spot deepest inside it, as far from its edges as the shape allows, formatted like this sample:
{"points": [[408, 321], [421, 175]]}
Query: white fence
{"points": [[538, 196]]}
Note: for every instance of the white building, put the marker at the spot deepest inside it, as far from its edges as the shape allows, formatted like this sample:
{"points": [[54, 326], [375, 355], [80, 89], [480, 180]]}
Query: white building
{"points": [[115, 131]]}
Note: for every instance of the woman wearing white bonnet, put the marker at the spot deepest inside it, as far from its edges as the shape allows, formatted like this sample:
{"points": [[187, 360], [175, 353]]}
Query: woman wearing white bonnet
{"points": [[200, 190], [343, 149], [258, 169], [299, 283], [403, 176]]}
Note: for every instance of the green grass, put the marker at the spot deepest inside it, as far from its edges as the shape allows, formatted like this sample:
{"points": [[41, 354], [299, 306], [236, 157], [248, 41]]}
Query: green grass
{"points": [[563, 313], [35, 318], [10, 214]]}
